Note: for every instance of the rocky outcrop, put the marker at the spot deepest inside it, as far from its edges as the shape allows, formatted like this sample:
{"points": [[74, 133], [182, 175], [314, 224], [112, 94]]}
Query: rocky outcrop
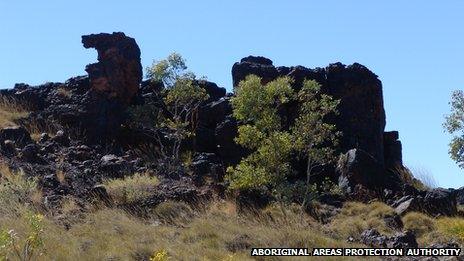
{"points": [[373, 238], [436, 202], [361, 117], [118, 73]]}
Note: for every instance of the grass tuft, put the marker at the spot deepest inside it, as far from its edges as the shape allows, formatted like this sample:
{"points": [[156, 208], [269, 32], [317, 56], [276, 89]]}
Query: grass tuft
{"points": [[131, 189]]}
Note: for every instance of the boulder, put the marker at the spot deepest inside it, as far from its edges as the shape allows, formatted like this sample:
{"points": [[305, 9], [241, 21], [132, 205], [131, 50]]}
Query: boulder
{"points": [[440, 202], [393, 156], [373, 238], [459, 193], [407, 204], [118, 73], [19, 135], [436, 202], [209, 116], [214, 92], [206, 167], [230, 152], [357, 167], [253, 65], [393, 221]]}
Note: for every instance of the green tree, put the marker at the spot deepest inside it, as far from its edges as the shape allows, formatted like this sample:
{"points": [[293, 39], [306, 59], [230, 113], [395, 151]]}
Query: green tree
{"points": [[454, 124], [257, 107], [171, 115]]}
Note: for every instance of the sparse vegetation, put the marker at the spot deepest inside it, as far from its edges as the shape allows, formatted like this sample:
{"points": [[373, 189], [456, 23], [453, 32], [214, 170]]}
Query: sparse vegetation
{"points": [[173, 115], [132, 188], [10, 112], [454, 125], [187, 232]]}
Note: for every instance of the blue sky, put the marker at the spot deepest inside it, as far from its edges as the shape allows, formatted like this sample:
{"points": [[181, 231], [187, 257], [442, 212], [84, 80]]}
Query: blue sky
{"points": [[416, 48]]}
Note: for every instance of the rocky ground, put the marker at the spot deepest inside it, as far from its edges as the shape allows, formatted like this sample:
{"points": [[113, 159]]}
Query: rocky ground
{"points": [[78, 134]]}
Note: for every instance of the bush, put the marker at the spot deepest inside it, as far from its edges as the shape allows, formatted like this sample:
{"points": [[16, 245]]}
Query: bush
{"points": [[419, 223], [131, 189], [17, 191], [356, 217], [10, 112], [452, 227]]}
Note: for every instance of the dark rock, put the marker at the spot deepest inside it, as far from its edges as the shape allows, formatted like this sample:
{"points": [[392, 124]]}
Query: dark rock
{"points": [[209, 116], [252, 199], [19, 135], [459, 193], [206, 165], [403, 240], [437, 202], [357, 167], [44, 137], [9, 148], [393, 221], [408, 204], [373, 238], [392, 150], [29, 152], [118, 73], [230, 152], [440, 202], [61, 137], [259, 66], [99, 192], [214, 92]]}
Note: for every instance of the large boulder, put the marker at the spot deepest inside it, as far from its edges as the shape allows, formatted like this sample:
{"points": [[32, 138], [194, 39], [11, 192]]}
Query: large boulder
{"points": [[357, 167], [209, 117], [440, 202], [19, 135], [118, 73], [436, 202]]}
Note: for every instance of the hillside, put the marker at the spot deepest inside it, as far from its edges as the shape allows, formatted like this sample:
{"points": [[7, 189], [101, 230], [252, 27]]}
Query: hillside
{"points": [[109, 166]]}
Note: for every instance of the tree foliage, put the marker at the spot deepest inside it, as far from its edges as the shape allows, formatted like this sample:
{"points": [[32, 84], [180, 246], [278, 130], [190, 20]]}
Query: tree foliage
{"points": [[454, 124], [172, 110], [257, 106]]}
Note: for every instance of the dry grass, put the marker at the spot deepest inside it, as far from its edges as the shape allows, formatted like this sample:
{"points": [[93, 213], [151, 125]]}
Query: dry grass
{"points": [[10, 112], [419, 223], [356, 217], [215, 231], [64, 92], [131, 189], [409, 178]]}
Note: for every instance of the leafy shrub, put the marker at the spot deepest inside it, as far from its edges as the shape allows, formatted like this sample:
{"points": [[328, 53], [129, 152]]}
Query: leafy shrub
{"points": [[272, 144], [23, 248]]}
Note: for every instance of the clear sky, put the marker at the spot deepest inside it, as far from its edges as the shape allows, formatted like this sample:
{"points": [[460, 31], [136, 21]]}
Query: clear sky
{"points": [[416, 47]]}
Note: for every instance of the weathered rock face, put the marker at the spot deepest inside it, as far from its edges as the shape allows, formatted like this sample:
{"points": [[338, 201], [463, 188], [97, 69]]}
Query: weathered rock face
{"points": [[361, 113], [436, 202], [118, 73]]}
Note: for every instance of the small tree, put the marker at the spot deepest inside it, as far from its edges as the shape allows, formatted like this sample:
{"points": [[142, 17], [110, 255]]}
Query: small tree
{"points": [[180, 99], [257, 106], [454, 124]]}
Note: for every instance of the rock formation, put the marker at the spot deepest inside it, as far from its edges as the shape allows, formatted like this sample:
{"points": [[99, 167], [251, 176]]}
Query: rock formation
{"points": [[118, 73], [84, 117], [361, 116]]}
